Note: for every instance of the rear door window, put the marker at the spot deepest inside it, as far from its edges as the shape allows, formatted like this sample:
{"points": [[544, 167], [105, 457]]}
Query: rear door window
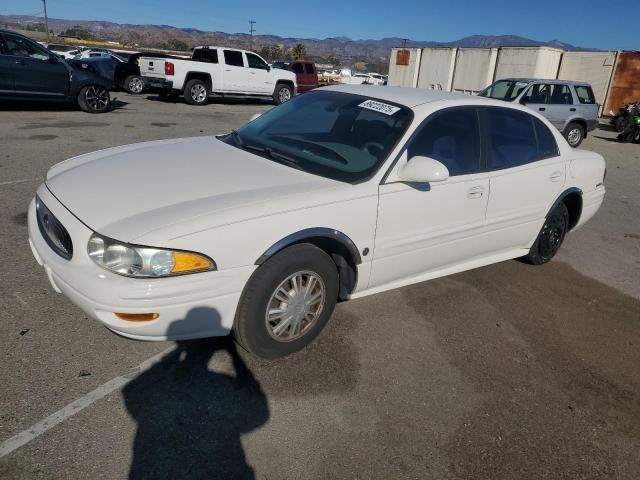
{"points": [[451, 137], [511, 136], [559, 95], [297, 68], [308, 67], [585, 94], [547, 146], [208, 55], [233, 58]]}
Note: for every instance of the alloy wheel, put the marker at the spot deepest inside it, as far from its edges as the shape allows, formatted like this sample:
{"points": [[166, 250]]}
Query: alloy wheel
{"points": [[284, 95], [136, 85], [574, 136], [97, 97], [198, 93]]}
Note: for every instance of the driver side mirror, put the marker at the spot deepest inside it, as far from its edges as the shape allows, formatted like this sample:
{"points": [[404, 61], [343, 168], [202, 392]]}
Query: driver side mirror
{"points": [[423, 170]]}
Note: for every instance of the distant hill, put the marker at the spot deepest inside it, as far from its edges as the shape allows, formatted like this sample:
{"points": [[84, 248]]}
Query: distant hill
{"points": [[344, 49]]}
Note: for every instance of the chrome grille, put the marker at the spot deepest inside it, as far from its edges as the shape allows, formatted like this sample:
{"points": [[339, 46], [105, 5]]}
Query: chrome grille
{"points": [[53, 232]]}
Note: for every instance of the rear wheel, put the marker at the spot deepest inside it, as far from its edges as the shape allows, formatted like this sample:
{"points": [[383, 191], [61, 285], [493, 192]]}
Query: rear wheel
{"points": [[550, 237], [620, 124], [574, 133], [196, 92], [94, 99], [283, 93], [134, 84], [287, 302]]}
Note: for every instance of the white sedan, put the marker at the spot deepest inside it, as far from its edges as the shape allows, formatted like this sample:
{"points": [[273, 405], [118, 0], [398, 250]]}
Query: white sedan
{"points": [[340, 193]]}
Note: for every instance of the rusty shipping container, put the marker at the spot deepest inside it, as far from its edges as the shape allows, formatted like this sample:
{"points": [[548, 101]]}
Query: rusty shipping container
{"points": [[625, 85]]}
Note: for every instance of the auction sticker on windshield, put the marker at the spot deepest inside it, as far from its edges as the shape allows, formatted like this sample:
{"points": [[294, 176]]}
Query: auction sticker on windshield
{"points": [[379, 107]]}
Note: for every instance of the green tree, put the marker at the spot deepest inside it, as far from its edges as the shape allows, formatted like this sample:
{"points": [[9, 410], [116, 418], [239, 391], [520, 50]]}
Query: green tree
{"points": [[276, 53], [78, 32], [298, 52], [176, 44]]}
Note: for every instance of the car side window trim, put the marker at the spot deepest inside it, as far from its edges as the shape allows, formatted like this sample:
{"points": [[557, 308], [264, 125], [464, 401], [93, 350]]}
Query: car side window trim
{"points": [[483, 158]]}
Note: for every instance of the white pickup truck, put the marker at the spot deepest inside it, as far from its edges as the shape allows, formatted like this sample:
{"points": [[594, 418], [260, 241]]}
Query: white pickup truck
{"points": [[218, 71]]}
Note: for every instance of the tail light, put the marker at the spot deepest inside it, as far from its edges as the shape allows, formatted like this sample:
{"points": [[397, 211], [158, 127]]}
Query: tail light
{"points": [[168, 68]]}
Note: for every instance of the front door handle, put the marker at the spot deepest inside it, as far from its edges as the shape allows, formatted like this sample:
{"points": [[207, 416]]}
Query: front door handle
{"points": [[572, 109], [475, 192], [555, 176], [542, 109], [21, 62]]}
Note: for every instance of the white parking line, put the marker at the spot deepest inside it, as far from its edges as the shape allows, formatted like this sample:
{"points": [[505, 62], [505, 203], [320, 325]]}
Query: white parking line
{"points": [[24, 180], [81, 403]]}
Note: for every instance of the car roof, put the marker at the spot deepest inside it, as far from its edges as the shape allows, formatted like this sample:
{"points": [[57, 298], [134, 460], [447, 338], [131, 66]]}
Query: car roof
{"points": [[411, 97], [544, 80]]}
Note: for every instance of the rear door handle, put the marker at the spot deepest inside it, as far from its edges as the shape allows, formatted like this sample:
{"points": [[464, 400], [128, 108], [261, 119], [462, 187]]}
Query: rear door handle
{"points": [[572, 109], [555, 176], [475, 192], [542, 109]]}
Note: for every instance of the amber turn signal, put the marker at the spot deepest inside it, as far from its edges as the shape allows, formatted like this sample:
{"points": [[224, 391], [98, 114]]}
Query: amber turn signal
{"points": [[137, 317], [188, 262]]}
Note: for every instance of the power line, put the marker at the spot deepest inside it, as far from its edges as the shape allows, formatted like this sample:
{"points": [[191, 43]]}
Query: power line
{"points": [[252, 30]]}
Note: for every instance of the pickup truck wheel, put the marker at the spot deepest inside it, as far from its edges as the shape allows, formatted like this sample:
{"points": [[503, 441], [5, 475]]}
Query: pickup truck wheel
{"points": [[282, 94], [574, 133], [196, 92], [287, 302], [94, 99], [134, 84]]}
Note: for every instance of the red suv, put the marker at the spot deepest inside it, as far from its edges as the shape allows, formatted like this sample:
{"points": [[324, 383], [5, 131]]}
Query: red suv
{"points": [[306, 73]]}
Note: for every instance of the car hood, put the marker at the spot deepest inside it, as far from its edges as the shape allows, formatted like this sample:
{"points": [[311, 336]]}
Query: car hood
{"points": [[127, 192]]}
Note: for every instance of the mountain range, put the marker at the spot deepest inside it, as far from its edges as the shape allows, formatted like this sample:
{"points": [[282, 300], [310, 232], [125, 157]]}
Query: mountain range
{"points": [[342, 48]]}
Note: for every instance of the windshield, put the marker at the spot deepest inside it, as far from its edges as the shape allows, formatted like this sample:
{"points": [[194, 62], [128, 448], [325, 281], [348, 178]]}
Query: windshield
{"points": [[336, 135], [504, 90]]}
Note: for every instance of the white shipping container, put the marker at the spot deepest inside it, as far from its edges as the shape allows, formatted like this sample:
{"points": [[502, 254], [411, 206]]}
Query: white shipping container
{"points": [[474, 69], [436, 68], [592, 67], [528, 62], [404, 75]]}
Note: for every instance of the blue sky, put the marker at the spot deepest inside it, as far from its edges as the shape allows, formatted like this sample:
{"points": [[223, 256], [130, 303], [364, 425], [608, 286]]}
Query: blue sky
{"points": [[606, 24]]}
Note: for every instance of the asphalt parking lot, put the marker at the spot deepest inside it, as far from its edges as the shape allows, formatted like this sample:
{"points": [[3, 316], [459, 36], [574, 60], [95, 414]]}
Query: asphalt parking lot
{"points": [[508, 371]]}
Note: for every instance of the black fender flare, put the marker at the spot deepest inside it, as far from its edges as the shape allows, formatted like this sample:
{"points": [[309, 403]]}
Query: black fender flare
{"points": [[316, 232]]}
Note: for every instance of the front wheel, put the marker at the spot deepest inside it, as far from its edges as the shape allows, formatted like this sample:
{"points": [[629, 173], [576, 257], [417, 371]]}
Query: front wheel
{"points": [[620, 124], [283, 93], [134, 84], [550, 237], [287, 302], [574, 133], [94, 99]]}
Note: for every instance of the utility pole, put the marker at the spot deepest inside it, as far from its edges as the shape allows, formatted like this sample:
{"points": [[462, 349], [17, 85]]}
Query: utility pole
{"points": [[252, 30], [46, 20]]}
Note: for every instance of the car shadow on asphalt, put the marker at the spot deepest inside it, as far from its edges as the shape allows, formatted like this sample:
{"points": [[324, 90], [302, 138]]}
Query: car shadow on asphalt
{"points": [[212, 100], [43, 106], [608, 139], [190, 418]]}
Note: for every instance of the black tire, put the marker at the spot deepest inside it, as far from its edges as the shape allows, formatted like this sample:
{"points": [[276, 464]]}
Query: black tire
{"points": [[250, 327], [94, 99], [196, 92], [550, 237], [283, 93], [574, 134], [134, 84], [620, 124]]}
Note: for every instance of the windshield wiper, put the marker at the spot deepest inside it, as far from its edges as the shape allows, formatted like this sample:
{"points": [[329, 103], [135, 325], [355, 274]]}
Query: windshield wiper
{"points": [[277, 156]]}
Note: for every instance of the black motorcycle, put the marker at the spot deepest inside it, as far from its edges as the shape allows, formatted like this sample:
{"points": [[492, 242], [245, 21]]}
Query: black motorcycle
{"points": [[620, 120], [631, 133]]}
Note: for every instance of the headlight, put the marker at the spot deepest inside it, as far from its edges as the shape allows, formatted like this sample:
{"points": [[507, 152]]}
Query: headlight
{"points": [[144, 262]]}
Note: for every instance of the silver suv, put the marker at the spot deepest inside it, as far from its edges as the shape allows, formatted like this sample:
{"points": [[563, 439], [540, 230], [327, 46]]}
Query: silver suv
{"points": [[569, 105]]}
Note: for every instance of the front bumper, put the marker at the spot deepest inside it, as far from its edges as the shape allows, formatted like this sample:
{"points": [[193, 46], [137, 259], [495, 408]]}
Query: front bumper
{"points": [[190, 306], [161, 83]]}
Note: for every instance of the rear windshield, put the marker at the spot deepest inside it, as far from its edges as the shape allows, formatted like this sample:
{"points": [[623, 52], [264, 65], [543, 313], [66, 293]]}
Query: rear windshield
{"points": [[585, 94], [507, 90]]}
